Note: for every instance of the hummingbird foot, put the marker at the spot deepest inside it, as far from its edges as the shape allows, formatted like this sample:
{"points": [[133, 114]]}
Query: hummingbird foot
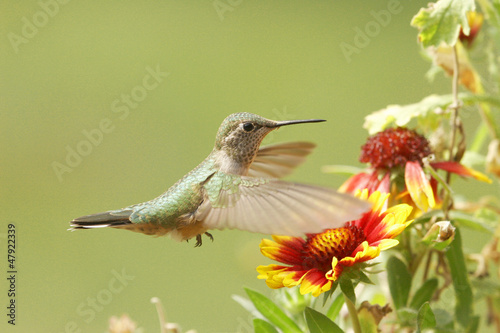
{"points": [[199, 240]]}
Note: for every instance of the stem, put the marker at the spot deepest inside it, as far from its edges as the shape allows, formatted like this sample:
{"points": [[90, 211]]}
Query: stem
{"points": [[353, 314], [161, 316], [427, 266], [454, 118]]}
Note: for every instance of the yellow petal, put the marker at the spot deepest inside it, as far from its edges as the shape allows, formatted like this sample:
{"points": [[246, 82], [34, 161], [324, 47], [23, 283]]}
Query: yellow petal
{"points": [[386, 244], [419, 186]]}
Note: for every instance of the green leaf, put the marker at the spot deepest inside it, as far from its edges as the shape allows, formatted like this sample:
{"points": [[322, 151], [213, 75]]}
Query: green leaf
{"points": [[424, 293], [444, 320], [262, 326], [461, 284], [319, 323], [245, 303], [329, 293], [441, 21], [407, 316], [473, 325], [428, 111], [272, 312], [472, 222], [364, 278], [334, 309], [399, 281], [486, 287], [348, 289], [401, 115], [425, 318]]}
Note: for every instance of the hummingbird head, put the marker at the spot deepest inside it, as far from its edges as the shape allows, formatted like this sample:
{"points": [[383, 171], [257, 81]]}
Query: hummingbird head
{"points": [[239, 137]]}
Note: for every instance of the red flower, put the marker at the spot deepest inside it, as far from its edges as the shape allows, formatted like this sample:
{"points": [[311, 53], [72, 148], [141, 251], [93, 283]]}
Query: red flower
{"points": [[316, 262], [397, 151]]}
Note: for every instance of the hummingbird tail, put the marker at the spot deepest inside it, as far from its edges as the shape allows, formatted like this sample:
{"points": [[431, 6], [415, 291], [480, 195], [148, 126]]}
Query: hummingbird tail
{"points": [[112, 218]]}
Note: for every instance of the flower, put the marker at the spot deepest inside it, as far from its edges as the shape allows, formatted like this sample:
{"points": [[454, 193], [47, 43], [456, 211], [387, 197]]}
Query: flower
{"points": [[315, 263], [121, 325], [475, 21], [398, 155]]}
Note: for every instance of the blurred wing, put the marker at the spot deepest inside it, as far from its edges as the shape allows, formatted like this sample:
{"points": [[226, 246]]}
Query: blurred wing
{"points": [[279, 208], [277, 161]]}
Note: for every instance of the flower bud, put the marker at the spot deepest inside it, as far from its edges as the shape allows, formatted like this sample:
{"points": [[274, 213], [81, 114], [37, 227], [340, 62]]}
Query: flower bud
{"points": [[440, 235]]}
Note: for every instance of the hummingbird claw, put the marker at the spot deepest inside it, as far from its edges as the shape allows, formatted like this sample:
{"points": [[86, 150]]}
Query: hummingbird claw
{"points": [[199, 240], [209, 235]]}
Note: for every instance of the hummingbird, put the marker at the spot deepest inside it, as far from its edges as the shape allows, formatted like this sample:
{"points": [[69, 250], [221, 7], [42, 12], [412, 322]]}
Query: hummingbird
{"points": [[238, 186]]}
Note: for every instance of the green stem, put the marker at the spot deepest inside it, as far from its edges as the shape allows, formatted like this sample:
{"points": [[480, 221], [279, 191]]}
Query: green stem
{"points": [[356, 326], [447, 202]]}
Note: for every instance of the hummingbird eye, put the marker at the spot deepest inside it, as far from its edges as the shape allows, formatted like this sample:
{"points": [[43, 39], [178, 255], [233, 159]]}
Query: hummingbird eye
{"points": [[248, 127]]}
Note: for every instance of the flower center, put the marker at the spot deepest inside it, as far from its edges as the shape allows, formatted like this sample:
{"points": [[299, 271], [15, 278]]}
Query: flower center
{"points": [[394, 147], [321, 248]]}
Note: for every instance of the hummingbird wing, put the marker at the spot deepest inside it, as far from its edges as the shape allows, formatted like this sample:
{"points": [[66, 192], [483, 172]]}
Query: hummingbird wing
{"points": [[271, 206], [279, 160]]}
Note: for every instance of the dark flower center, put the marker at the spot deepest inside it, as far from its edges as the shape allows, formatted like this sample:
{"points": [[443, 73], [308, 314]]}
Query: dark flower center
{"points": [[394, 147], [320, 249]]}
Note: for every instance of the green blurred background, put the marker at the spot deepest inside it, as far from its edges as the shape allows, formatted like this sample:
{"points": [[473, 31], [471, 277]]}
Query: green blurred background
{"points": [[280, 59]]}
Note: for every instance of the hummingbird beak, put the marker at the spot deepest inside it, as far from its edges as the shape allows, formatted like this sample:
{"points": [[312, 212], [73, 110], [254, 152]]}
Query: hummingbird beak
{"points": [[292, 122]]}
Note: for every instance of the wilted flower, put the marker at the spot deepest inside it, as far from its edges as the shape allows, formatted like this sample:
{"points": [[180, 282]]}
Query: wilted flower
{"points": [[318, 261]]}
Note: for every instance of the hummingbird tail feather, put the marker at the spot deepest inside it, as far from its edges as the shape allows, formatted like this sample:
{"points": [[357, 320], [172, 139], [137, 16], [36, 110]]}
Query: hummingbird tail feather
{"points": [[113, 218]]}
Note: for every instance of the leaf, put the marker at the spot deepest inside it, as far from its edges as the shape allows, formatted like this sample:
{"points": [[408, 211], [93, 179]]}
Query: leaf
{"points": [[472, 222], [444, 320], [334, 309], [247, 305], [327, 294], [401, 115], [425, 318], [399, 281], [364, 278], [473, 325], [262, 326], [428, 112], [424, 293], [272, 312], [486, 287], [348, 289], [407, 316], [461, 284], [441, 21], [319, 323]]}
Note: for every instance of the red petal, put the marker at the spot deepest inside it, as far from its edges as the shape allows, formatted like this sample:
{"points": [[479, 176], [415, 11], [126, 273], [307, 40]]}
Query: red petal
{"points": [[461, 170]]}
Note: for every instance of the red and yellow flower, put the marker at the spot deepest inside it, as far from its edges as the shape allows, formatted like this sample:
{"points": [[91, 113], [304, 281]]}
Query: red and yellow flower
{"points": [[397, 152], [315, 263]]}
